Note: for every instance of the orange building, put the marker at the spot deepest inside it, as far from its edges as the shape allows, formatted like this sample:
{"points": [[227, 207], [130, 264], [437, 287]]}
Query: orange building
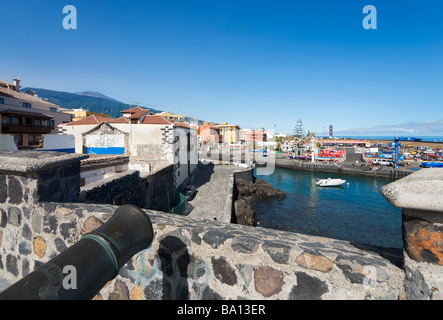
{"points": [[209, 134]]}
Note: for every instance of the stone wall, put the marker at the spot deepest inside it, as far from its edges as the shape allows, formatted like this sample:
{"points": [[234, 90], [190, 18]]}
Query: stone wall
{"points": [[343, 168], [153, 190], [198, 259], [96, 168], [420, 197], [40, 216]]}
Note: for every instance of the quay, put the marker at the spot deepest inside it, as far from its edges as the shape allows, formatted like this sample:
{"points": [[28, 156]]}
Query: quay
{"points": [[353, 165], [214, 198]]}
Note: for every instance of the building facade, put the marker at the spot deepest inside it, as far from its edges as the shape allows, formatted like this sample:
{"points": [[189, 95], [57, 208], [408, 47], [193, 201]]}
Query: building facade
{"points": [[81, 114], [144, 137], [26, 116], [173, 117], [230, 133], [209, 135]]}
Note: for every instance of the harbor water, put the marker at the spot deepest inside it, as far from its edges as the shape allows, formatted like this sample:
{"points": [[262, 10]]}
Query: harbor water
{"points": [[356, 211]]}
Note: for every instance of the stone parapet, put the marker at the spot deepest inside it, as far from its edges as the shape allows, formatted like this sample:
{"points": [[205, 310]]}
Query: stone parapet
{"points": [[32, 176], [420, 197], [199, 259]]}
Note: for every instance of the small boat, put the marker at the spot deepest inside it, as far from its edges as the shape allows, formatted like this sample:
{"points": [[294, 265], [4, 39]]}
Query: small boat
{"points": [[329, 182]]}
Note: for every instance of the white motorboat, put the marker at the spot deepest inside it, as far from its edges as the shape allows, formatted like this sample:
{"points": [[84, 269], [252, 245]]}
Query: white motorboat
{"points": [[330, 182]]}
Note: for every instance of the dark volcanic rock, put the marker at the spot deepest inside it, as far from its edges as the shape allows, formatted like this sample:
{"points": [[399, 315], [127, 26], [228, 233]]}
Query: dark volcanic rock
{"points": [[250, 194]]}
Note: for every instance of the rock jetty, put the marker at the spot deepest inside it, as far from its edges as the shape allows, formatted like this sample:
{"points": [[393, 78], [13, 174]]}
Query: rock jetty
{"points": [[250, 194]]}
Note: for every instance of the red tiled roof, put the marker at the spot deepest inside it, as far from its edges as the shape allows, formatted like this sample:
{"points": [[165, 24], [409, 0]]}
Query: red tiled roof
{"points": [[90, 120], [122, 119], [137, 112], [182, 124], [156, 119], [149, 119]]}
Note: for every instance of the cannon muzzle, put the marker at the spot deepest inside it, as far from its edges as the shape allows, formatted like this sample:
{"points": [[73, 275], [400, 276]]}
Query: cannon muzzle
{"points": [[82, 270]]}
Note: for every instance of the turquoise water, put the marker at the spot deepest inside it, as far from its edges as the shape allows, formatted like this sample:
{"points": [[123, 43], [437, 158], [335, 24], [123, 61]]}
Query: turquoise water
{"points": [[357, 212]]}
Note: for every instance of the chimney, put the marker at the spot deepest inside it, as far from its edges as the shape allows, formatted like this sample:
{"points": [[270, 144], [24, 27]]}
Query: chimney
{"points": [[16, 84]]}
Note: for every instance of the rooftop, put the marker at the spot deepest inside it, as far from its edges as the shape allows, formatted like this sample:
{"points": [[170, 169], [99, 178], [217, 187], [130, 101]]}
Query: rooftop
{"points": [[137, 112], [10, 93]]}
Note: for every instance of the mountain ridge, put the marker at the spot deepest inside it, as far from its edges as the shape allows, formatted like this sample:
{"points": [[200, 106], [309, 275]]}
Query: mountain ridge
{"points": [[70, 100], [106, 105], [95, 94]]}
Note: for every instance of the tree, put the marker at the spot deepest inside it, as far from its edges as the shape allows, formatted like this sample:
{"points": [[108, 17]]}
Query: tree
{"points": [[299, 132]]}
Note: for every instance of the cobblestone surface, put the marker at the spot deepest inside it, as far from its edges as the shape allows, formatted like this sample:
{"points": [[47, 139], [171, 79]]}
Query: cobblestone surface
{"points": [[214, 188]]}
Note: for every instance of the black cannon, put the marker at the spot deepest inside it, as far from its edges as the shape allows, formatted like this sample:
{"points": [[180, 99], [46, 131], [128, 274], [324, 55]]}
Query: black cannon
{"points": [[82, 270]]}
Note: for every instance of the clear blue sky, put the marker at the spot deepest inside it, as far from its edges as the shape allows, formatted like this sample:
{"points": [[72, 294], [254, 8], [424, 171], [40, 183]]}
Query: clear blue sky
{"points": [[253, 63]]}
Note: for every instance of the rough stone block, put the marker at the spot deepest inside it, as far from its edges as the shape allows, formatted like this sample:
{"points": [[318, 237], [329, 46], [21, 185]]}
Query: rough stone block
{"points": [[268, 280], [15, 190], [90, 224], [40, 246], [14, 216], [3, 188], [423, 241], [311, 260], [308, 287], [223, 271]]}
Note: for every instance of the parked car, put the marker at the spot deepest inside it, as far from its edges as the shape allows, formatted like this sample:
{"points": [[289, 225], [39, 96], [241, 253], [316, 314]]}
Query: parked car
{"points": [[189, 192], [385, 162]]}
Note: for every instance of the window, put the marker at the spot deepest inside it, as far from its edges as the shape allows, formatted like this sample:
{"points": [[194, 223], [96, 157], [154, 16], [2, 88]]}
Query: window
{"points": [[16, 120], [37, 122], [51, 123], [33, 139], [53, 109], [2, 101], [26, 105]]}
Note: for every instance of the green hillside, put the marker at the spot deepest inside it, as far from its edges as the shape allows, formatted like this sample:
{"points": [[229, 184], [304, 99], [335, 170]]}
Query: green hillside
{"points": [[74, 101]]}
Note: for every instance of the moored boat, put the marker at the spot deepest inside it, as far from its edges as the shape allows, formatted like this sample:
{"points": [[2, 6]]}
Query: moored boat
{"points": [[330, 182]]}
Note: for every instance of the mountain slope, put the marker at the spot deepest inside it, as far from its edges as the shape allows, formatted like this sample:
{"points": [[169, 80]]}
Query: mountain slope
{"points": [[95, 94], [75, 101]]}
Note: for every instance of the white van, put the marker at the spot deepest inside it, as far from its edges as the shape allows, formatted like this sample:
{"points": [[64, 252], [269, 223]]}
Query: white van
{"points": [[385, 162]]}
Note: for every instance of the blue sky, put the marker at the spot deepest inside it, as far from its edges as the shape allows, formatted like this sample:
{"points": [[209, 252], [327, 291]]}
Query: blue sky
{"points": [[248, 62]]}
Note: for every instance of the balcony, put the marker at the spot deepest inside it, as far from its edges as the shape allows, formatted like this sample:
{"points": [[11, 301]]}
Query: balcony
{"points": [[25, 128]]}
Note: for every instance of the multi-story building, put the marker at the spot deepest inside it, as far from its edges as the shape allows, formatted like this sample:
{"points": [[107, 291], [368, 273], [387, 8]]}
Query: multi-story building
{"points": [[258, 135], [229, 133], [209, 135], [82, 113], [173, 117], [26, 116], [244, 134]]}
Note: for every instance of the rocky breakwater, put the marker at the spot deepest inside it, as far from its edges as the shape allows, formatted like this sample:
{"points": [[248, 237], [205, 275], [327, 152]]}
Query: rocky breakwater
{"points": [[249, 195]]}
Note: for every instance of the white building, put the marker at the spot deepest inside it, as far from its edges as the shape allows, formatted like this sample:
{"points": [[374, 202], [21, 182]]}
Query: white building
{"points": [[145, 137], [26, 116]]}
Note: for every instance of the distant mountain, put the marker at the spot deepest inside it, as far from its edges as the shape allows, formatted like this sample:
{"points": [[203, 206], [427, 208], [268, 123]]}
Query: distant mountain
{"points": [[76, 101], [95, 94]]}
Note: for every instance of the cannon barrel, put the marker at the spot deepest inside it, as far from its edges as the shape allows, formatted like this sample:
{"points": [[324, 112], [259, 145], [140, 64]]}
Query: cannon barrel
{"points": [[82, 270]]}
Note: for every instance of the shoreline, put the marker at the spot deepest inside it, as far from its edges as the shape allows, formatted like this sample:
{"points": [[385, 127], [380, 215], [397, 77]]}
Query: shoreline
{"points": [[344, 168]]}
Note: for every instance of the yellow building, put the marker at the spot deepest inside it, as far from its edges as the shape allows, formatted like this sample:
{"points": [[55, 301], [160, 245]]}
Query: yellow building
{"points": [[81, 114], [229, 132], [172, 117]]}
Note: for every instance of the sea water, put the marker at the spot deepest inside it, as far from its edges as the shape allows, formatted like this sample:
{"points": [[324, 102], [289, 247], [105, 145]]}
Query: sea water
{"points": [[356, 211]]}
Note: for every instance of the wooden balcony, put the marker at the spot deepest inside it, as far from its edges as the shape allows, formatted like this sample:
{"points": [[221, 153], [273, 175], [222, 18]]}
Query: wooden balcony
{"points": [[25, 128]]}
